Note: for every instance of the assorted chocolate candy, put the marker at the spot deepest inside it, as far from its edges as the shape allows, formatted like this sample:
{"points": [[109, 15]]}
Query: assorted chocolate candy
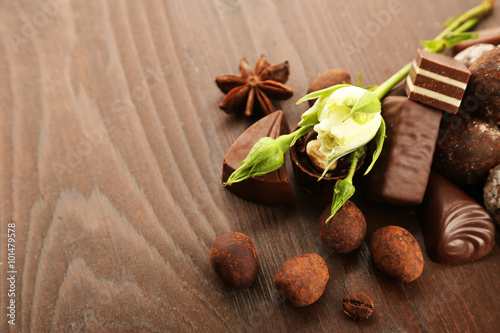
{"points": [[483, 92], [272, 189], [400, 175], [456, 228], [466, 150], [437, 80]]}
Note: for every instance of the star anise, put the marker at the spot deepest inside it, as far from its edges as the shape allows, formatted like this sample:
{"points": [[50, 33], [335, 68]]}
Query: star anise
{"points": [[252, 90]]}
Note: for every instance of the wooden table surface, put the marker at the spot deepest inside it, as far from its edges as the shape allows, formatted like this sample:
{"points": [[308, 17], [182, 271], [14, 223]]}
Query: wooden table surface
{"points": [[112, 142]]}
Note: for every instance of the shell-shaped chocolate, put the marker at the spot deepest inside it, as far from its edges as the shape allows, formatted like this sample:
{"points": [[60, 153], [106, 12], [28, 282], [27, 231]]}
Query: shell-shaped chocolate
{"points": [[492, 194], [468, 234], [302, 279], [397, 253], [235, 260], [456, 228]]}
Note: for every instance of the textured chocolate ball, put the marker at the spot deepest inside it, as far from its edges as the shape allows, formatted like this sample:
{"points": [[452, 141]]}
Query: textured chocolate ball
{"points": [[302, 280], [492, 194], [235, 260], [345, 231], [397, 253], [483, 91], [466, 150]]}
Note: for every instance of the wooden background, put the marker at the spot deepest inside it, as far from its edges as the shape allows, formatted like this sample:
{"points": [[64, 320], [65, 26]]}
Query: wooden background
{"points": [[111, 145]]}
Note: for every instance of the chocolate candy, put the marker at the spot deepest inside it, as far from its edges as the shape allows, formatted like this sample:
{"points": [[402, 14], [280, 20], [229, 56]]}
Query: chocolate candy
{"points": [[307, 174], [471, 54], [483, 92], [272, 189], [456, 228], [400, 175], [492, 194], [437, 80], [486, 36], [466, 150]]}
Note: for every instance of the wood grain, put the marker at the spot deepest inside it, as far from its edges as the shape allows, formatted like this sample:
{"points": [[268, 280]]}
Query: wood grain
{"points": [[111, 147]]}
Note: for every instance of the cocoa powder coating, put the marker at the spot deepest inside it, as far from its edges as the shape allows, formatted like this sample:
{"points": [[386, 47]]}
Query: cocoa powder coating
{"points": [[234, 258], [345, 231], [397, 253], [302, 280]]}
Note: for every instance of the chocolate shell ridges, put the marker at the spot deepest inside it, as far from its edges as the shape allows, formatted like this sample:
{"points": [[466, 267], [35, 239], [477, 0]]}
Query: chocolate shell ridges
{"points": [[468, 233]]}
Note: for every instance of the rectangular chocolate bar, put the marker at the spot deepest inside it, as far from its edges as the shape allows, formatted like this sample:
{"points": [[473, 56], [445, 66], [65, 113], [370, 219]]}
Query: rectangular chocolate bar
{"points": [[437, 80], [486, 36], [400, 175]]}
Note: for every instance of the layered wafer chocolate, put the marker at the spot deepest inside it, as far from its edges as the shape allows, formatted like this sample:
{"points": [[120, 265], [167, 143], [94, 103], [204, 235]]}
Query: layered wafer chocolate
{"points": [[272, 189], [437, 80]]}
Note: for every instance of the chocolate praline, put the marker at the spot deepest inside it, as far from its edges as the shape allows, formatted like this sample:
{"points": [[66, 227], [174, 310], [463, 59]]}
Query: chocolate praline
{"points": [[307, 174], [467, 148]]}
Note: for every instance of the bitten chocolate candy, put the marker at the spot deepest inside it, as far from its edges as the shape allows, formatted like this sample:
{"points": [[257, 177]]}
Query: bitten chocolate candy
{"points": [[307, 174], [492, 194], [272, 189], [345, 231], [235, 260], [456, 228], [397, 253], [400, 175], [486, 36], [437, 80], [302, 279], [466, 150]]}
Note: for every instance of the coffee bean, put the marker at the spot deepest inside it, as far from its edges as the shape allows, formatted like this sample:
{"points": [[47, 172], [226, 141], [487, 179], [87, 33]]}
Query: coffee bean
{"points": [[358, 305]]}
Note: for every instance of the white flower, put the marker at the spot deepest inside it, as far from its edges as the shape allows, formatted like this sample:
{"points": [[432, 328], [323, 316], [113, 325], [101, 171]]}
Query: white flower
{"points": [[349, 119]]}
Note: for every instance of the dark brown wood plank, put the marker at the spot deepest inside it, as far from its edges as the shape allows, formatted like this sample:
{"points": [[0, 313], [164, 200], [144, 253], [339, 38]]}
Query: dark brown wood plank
{"points": [[112, 146]]}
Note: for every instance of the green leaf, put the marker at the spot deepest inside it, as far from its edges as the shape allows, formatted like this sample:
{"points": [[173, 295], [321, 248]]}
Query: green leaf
{"points": [[367, 103], [332, 159], [359, 80], [363, 118], [379, 140], [434, 46], [342, 192], [449, 40]]}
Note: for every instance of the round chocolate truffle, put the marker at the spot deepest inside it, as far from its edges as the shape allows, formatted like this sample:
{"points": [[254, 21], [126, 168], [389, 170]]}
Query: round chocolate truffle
{"points": [[397, 253], [483, 90], [235, 260], [302, 280], [492, 194], [466, 150], [346, 229]]}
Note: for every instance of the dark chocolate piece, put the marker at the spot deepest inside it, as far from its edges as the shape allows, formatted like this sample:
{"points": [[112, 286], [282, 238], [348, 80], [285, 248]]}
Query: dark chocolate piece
{"points": [[466, 150], [486, 36], [272, 189], [437, 80], [400, 175], [483, 92], [307, 174], [456, 228], [492, 194]]}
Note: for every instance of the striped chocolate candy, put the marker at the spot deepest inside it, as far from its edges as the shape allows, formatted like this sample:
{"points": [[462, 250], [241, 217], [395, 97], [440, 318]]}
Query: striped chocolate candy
{"points": [[437, 80]]}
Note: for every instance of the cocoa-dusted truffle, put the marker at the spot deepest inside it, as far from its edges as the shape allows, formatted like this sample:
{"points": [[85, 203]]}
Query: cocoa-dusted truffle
{"points": [[492, 194], [466, 150], [235, 260], [302, 279], [397, 253], [345, 231], [483, 92], [327, 79]]}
